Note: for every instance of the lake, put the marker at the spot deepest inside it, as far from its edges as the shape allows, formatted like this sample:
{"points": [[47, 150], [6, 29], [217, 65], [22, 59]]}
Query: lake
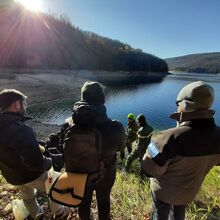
{"points": [[155, 100]]}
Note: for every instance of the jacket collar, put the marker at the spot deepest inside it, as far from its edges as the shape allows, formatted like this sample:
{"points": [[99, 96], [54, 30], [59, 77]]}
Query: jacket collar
{"points": [[15, 116], [188, 116]]}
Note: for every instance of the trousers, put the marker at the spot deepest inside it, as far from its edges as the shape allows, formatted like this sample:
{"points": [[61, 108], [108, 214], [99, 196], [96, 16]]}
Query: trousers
{"points": [[28, 193], [164, 211], [103, 191]]}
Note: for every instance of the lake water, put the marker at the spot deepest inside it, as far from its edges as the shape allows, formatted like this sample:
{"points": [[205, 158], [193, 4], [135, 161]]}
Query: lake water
{"points": [[156, 101]]}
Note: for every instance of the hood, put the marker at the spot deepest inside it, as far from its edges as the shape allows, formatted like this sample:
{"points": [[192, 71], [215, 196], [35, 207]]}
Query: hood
{"points": [[188, 116], [86, 114], [92, 92], [7, 118]]}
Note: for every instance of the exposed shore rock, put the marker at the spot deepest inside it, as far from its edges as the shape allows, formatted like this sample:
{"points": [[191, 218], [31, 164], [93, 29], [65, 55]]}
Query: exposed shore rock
{"points": [[47, 85]]}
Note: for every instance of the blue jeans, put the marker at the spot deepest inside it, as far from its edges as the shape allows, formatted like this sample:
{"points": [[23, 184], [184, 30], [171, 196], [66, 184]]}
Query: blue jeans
{"points": [[164, 211]]}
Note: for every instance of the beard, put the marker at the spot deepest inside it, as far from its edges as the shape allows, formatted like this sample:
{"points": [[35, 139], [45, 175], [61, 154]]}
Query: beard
{"points": [[22, 110]]}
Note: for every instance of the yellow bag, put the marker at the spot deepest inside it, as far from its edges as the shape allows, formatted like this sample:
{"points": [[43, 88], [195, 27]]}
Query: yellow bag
{"points": [[69, 189]]}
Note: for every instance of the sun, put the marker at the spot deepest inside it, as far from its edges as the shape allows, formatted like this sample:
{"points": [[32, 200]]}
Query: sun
{"points": [[33, 5]]}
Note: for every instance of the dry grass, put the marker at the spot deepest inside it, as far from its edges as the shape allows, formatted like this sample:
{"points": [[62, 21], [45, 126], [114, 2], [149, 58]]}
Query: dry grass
{"points": [[131, 197]]}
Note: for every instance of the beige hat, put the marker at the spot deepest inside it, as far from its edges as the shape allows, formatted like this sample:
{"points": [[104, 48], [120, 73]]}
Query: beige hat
{"points": [[196, 96]]}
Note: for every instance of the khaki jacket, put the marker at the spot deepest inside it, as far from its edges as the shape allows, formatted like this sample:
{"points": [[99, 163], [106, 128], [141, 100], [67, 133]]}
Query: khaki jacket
{"points": [[179, 159]]}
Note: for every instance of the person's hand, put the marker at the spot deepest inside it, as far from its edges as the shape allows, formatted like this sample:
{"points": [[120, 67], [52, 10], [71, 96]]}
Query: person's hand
{"points": [[42, 148]]}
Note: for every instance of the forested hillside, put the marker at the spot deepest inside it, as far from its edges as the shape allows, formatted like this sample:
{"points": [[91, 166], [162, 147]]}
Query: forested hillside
{"points": [[38, 40], [200, 63]]}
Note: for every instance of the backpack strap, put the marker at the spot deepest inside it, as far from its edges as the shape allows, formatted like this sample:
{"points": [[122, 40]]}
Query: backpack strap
{"points": [[69, 190], [102, 164]]}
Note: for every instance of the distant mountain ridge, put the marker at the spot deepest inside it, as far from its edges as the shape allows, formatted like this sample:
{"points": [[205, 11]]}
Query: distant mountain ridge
{"points": [[201, 63], [30, 40]]}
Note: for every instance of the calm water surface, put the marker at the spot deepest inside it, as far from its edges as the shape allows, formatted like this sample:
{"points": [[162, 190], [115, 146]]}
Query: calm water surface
{"points": [[156, 101]]}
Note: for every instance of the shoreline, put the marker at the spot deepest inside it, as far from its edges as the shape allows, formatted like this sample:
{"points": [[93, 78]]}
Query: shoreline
{"points": [[49, 85], [42, 130], [41, 86]]}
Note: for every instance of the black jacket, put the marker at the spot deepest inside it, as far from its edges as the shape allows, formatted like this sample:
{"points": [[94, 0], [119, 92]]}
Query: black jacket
{"points": [[87, 114], [20, 158]]}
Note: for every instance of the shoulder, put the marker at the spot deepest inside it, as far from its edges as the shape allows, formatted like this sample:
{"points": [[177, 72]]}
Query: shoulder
{"points": [[117, 124], [19, 126], [24, 129], [113, 125], [167, 138], [149, 127], [113, 129]]}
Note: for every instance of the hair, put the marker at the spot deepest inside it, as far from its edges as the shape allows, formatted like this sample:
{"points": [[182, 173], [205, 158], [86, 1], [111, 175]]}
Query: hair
{"points": [[8, 96]]}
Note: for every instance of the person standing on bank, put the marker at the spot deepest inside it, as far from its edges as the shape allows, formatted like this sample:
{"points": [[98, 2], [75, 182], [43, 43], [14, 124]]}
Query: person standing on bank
{"points": [[144, 136], [21, 161], [179, 158], [131, 134], [90, 112]]}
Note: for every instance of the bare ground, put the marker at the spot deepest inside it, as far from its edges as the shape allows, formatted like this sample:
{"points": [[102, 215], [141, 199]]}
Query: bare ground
{"points": [[42, 86]]}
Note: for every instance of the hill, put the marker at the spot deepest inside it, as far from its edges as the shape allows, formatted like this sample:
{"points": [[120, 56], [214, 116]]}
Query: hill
{"points": [[201, 63], [38, 40]]}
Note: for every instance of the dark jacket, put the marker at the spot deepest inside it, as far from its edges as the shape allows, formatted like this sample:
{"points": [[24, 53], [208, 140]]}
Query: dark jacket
{"points": [[179, 159], [87, 114], [131, 130], [20, 158], [144, 136]]}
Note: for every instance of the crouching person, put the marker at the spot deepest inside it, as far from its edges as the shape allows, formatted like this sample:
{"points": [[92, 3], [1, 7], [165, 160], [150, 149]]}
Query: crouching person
{"points": [[21, 161], [179, 158]]}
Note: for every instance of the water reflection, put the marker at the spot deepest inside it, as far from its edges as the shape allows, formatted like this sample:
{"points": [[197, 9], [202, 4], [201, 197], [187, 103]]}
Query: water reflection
{"points": [[156, 101]]}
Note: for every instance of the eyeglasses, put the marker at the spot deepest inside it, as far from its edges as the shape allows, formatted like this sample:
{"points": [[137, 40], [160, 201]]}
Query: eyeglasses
{"points": [[177, 103], [188, 99]]}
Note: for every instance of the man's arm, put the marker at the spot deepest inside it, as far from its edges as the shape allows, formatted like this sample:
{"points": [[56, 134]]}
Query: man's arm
{"points": [[150, 167], [144, 134], [157, 156], [30, 153]]}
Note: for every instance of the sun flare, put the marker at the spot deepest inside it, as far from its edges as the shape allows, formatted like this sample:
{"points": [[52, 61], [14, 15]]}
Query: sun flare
{"points": [[33, 5]]}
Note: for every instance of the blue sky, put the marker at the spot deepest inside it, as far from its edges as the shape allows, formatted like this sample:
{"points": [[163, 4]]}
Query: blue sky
{"points": [[165, 28]]}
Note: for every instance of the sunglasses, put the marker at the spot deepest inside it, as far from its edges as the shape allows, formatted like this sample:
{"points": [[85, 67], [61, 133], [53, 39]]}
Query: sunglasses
{"points": [[177, 103]]}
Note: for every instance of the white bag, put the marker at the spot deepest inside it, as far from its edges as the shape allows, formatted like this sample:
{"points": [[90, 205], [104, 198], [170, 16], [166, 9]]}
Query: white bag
{"points": [[19, 209], [51, 178]]}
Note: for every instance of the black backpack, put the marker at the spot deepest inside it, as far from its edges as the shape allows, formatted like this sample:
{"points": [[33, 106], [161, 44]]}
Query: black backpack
{"points": [[82, 156], [82, 149]]}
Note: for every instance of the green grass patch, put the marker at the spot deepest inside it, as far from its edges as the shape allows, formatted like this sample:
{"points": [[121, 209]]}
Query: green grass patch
{"points": [[131, 197]]}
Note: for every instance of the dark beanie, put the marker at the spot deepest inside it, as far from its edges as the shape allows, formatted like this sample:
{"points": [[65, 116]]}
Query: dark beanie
{"points": [[92, 92], [141, 118]]}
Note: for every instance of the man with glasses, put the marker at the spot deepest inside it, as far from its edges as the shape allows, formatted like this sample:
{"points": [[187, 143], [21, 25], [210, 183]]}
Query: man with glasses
{"points": [[21, 161], [179, 158]]}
